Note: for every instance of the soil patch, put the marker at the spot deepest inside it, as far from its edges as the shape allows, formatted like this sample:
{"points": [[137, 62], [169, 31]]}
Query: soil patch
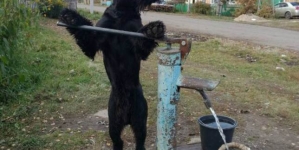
{"points": [[250, 18], [83, 124]]}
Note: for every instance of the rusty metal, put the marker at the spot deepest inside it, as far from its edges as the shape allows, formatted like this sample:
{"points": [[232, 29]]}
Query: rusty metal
{"points": [[169, 70], [206, 99], [185, 46], [169, 57], [197, 83]]}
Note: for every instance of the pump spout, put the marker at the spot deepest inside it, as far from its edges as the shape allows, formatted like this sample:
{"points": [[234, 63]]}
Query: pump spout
{"points": [[200, 85], [196, 83], [206, 99]]}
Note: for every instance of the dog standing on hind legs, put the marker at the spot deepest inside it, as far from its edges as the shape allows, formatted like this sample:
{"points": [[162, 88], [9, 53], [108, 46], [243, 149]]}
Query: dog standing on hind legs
{"points": [[122, 56]]}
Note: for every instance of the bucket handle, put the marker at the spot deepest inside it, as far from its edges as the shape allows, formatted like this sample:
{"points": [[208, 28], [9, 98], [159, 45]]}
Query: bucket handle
{"points": [[234, 145]]}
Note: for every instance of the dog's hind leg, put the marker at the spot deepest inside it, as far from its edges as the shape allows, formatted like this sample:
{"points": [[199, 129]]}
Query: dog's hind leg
{"points": [[115, 134], [139, 129], [139, 120], [116, 125]]}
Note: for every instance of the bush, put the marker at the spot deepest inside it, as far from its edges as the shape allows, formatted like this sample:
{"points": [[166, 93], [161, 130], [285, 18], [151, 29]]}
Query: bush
{"points": [[247, 6], [162, 8], [51, 8], [85, 13], [266, 11], [201, 8], [16, 20]]}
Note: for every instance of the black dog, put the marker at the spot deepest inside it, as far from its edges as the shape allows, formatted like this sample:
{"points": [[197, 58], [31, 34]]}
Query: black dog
{"points": [[122, 56]]}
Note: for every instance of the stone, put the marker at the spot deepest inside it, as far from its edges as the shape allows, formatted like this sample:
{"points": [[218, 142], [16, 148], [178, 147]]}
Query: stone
{"points": [[194, 140]]}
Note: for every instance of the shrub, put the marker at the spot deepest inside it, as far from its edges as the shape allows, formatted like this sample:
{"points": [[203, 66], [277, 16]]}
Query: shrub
{"points": [[95, 16], [265, 11], [201, 8], [16, 20], [51, 8], [162, 8], [247, 6]]}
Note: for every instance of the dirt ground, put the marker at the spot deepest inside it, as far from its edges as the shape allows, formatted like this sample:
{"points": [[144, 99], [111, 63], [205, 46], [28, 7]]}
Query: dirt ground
{"points": [[256, 131]]}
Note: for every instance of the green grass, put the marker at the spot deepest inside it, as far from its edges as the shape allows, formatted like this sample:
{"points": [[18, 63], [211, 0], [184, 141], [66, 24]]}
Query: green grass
{"points": [[291, 24], [255, 83], [66, 78], [95, 16], [70, 86]]}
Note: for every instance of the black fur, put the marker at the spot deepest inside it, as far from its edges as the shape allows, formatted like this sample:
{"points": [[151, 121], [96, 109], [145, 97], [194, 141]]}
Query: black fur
{"points": [[122, 57]]}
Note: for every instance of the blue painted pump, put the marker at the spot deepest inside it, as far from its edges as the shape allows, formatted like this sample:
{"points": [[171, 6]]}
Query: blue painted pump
{"points": [[170, 80]]}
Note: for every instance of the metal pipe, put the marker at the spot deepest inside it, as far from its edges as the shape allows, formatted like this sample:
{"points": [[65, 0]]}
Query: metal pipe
{"points": [[199, 85], [206, 99], [169, 70], [196, 83], [114, 31], [100, 29]]}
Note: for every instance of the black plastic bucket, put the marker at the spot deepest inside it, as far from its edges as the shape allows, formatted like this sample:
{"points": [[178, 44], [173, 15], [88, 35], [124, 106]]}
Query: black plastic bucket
{"points": [[209, 133]]}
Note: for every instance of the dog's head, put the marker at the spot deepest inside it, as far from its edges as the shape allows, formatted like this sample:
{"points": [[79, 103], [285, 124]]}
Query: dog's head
{"points": [[133, 4]]}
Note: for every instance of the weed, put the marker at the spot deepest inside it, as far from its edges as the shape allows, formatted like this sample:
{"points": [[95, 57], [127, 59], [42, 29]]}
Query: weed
{"points": [[201, 8], [51, 8], [15, 32]]}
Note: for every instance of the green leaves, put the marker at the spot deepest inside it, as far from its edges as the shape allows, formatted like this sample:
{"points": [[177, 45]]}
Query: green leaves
{"points": [[1, 11], [51, 8], [16, 21]]}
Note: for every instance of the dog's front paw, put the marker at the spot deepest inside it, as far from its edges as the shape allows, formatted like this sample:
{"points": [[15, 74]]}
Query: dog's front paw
{"points": [[71, 17], [154, 30]]}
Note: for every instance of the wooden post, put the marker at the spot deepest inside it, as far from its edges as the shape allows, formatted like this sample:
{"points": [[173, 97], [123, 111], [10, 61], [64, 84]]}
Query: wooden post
{"points": [[188, 7], [273, 7]]}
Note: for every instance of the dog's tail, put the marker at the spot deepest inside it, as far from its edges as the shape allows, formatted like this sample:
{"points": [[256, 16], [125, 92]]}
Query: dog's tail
{"points": [[85, 39]]}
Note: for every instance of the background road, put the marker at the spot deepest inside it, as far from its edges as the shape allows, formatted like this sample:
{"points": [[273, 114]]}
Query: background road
{"points": [[268, 36]]}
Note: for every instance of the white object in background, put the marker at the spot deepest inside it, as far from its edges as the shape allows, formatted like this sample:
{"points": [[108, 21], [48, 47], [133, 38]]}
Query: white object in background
{"points": [[91, 6]]}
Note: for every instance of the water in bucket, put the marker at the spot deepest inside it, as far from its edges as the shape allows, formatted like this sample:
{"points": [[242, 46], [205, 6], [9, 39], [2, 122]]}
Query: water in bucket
{"points": [[213, 135], [210, 127]]}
